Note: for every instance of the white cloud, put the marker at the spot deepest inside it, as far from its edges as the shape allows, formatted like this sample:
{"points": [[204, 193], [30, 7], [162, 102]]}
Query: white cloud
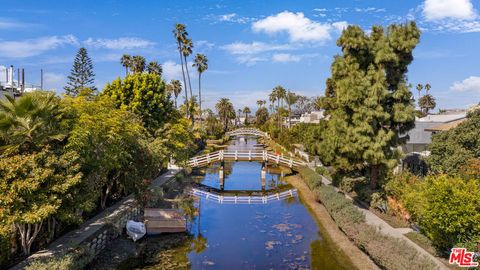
{"points": [[53, 80], [32, 47], [203, 44], [340, 26], [9, 24], [370, 9], [255, 47], [453, 9], [470, 84], [172, 71], [123, 43], [285, 57], [233, 17], [298, 27]]}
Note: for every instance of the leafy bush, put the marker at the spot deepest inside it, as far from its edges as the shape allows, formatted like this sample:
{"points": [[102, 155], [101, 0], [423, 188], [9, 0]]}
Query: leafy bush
{"points": [[377, 201], [400, 254], [73, 260], [349, 184], [340, 208], [323, 171], [351, 220], [310, 177]]}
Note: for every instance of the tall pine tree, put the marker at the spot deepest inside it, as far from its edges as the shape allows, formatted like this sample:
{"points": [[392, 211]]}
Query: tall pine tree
{"points": [[367, 100], [81, 76]]}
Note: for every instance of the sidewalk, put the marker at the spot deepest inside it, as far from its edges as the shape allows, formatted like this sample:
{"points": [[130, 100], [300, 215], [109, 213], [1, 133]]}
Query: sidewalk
{"points": [[372, 219]]}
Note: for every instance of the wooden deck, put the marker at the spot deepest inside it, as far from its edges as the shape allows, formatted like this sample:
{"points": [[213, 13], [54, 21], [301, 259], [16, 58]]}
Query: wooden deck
{"points": [[245, 155], [164, 221]]}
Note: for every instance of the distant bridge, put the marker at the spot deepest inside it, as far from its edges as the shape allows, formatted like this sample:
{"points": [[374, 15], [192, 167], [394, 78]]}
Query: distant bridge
{"points": [[245, 155], [247, 131]]}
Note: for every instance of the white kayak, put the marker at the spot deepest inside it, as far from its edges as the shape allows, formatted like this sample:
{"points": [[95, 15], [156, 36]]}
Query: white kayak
{"points": [[135, 230]]}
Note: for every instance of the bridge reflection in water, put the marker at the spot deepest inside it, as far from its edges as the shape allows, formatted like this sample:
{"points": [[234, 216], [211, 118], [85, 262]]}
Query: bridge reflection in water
{"points": [[242, 196]]}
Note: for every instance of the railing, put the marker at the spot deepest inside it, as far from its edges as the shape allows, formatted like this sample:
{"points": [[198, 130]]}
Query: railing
{"points": [[249, 155], [246, 131], [242, 199]]}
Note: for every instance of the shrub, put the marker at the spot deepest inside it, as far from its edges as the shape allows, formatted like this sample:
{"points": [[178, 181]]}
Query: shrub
{"points": [[400, 254], [351, 220], [73, 260], [311, 178], [377, 201], [349, 184]]}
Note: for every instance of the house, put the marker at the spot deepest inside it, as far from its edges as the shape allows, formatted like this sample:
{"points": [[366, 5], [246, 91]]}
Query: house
{"points": [[421, 135]]}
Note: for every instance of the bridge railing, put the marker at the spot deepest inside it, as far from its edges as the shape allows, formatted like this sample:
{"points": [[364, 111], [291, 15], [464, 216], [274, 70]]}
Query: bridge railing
{"points": [[244, 155]]}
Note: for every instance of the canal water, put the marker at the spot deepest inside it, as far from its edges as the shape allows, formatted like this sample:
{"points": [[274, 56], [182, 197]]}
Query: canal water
{"points": [[278, 235]]}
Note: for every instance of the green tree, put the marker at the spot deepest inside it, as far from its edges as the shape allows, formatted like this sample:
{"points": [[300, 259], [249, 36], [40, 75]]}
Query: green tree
{"points": [[451, 149], [33, 186], [201, 63], [107, 141], [419, 88], [138, 64], [367, 99], [261, 116], [427, 103], [154, 68], [175, 88], [225, 111], [81, 76], [31, 122], [145, 95], [213, 126], [126, 62], [291, 99], [180, 34], [451, 213], [246, 111]]}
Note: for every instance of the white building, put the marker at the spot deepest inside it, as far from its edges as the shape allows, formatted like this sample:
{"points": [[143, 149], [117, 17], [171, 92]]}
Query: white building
{"points": [[8, 85]]}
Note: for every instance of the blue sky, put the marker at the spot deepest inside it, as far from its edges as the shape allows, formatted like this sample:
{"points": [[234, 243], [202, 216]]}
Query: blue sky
{"points": [[252, 46]]}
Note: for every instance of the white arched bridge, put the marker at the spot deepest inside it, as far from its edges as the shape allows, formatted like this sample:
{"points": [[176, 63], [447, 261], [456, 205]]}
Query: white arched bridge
{"points": [[245, 155], [247, 131]]}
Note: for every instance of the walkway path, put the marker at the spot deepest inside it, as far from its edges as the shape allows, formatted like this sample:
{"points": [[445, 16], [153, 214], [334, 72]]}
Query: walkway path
{"points": [[372, 219]]}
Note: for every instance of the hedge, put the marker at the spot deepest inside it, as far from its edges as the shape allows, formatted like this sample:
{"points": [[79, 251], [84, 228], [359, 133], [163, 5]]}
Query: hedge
{"points": [[386, 251]]}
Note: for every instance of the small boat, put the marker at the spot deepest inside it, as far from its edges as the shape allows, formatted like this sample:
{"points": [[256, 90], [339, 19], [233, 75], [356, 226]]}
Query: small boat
{"points": [[135, 230]]}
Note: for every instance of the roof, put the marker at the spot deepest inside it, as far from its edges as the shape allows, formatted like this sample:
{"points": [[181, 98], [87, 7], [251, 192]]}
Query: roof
{"points": [[442, 118], [446, 126]]}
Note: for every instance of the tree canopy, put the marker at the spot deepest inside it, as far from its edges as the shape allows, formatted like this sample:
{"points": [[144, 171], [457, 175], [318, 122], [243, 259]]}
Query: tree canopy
{"points": [[144, 94], [81, 75], [367, 99]]}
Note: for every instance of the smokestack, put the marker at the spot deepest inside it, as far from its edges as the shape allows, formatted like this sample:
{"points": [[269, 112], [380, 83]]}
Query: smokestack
{"points": [[10, 75], [41, 79], [18, 77], [6, 75], [23, 80]]}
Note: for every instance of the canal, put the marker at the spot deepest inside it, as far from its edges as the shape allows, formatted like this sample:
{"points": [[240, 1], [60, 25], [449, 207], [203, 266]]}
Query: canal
{"points": [[277, 235]]}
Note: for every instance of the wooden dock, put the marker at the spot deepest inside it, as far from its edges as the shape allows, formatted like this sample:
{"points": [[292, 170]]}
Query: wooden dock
{"points": [[164, 221]]}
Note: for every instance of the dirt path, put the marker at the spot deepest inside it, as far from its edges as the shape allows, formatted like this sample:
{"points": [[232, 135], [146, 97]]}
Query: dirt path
{"points": [[357, 257]]}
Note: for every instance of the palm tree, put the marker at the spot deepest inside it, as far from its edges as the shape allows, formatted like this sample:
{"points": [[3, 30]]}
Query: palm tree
{"points": [[259, 103], [239, 112], [272, 97], [180, 33], [126, 61], [30, 122], [201, 63], [187, 51], [175, 87], [225, 111], [281, 93], [317, 103], [291, 98], [154, 68], [246, 111], [427, 87], [419, 89], [138, 64], [427, 103]]}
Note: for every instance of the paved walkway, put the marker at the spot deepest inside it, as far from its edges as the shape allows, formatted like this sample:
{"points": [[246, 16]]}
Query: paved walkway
{"points": [[372, 219]]}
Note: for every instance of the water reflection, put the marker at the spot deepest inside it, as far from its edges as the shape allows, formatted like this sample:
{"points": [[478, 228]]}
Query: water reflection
{"points": [[278, 235]]}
